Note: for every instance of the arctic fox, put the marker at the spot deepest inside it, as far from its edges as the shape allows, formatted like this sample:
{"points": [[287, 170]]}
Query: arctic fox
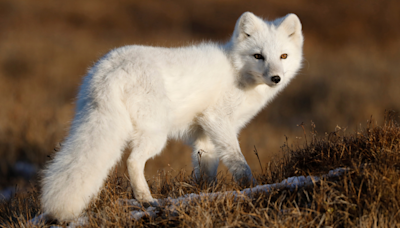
{"points": [[140, 96]]}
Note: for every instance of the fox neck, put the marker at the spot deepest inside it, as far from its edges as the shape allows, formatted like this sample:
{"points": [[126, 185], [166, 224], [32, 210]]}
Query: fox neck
{"points": [[229, 50]]}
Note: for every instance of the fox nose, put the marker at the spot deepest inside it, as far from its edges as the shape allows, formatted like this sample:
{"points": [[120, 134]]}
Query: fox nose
{"points": [[276, 79]]}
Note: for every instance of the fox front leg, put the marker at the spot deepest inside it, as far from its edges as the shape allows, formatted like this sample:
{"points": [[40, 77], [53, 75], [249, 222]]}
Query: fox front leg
{"points": [[223, 136]]}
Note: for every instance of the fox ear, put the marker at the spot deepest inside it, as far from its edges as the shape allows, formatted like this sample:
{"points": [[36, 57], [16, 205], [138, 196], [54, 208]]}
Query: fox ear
{"points": [[246, 25], [290, 24]]}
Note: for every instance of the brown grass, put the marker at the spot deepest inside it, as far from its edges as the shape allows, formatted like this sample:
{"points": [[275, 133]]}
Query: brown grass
{"points": [[350, 71], [367, 195]]}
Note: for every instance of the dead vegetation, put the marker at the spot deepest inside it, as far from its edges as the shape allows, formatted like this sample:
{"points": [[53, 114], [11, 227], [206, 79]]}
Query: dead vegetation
{"points": [[350, 70], [366, 195]]}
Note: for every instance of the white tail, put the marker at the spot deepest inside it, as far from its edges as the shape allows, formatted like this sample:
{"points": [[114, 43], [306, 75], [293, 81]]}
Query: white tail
{"points": [[98, 135]]}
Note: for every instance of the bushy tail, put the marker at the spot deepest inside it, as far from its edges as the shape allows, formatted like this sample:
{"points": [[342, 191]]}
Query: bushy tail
{"points": [[97, 137]]}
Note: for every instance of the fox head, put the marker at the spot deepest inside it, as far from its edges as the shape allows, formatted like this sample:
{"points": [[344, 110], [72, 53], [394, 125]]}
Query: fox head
{"points": [[266, 52]]}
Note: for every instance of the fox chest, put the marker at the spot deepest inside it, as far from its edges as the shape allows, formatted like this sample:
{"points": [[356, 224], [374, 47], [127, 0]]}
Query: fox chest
{"points": [[249, 107]]}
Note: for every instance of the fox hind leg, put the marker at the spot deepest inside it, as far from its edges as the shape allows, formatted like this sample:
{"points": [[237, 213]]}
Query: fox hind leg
{"points": [[204, 158], [149, 107], [146, 144]]}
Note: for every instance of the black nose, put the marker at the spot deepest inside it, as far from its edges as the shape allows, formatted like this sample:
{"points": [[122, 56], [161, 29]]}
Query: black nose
{"points": [[275, 79]]}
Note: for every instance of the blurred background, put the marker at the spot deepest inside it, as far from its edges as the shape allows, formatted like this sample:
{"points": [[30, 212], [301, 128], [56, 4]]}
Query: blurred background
{"points": [[351, 69]]}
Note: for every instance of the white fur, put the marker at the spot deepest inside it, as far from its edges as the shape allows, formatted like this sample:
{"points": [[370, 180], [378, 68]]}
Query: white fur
{"points": [[140, 96]]}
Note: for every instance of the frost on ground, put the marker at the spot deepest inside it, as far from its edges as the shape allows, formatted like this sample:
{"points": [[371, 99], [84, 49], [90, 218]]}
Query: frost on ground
{"points": [[291, 183]]}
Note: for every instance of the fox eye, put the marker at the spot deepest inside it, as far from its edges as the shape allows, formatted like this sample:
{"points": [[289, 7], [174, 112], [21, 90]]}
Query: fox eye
{"points": [[283, 56], [258, 56]]}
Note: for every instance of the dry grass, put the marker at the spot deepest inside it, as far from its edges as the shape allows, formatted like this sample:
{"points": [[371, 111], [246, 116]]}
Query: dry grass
{"points": [[367, 195], [350, 72]]}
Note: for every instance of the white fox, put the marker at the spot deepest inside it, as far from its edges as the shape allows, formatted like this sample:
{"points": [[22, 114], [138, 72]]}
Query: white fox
{"points": [[140, 96]]}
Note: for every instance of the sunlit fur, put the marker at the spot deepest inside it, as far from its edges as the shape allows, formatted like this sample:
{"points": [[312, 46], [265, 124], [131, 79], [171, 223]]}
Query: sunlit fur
{"points": [[140, 96]]}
